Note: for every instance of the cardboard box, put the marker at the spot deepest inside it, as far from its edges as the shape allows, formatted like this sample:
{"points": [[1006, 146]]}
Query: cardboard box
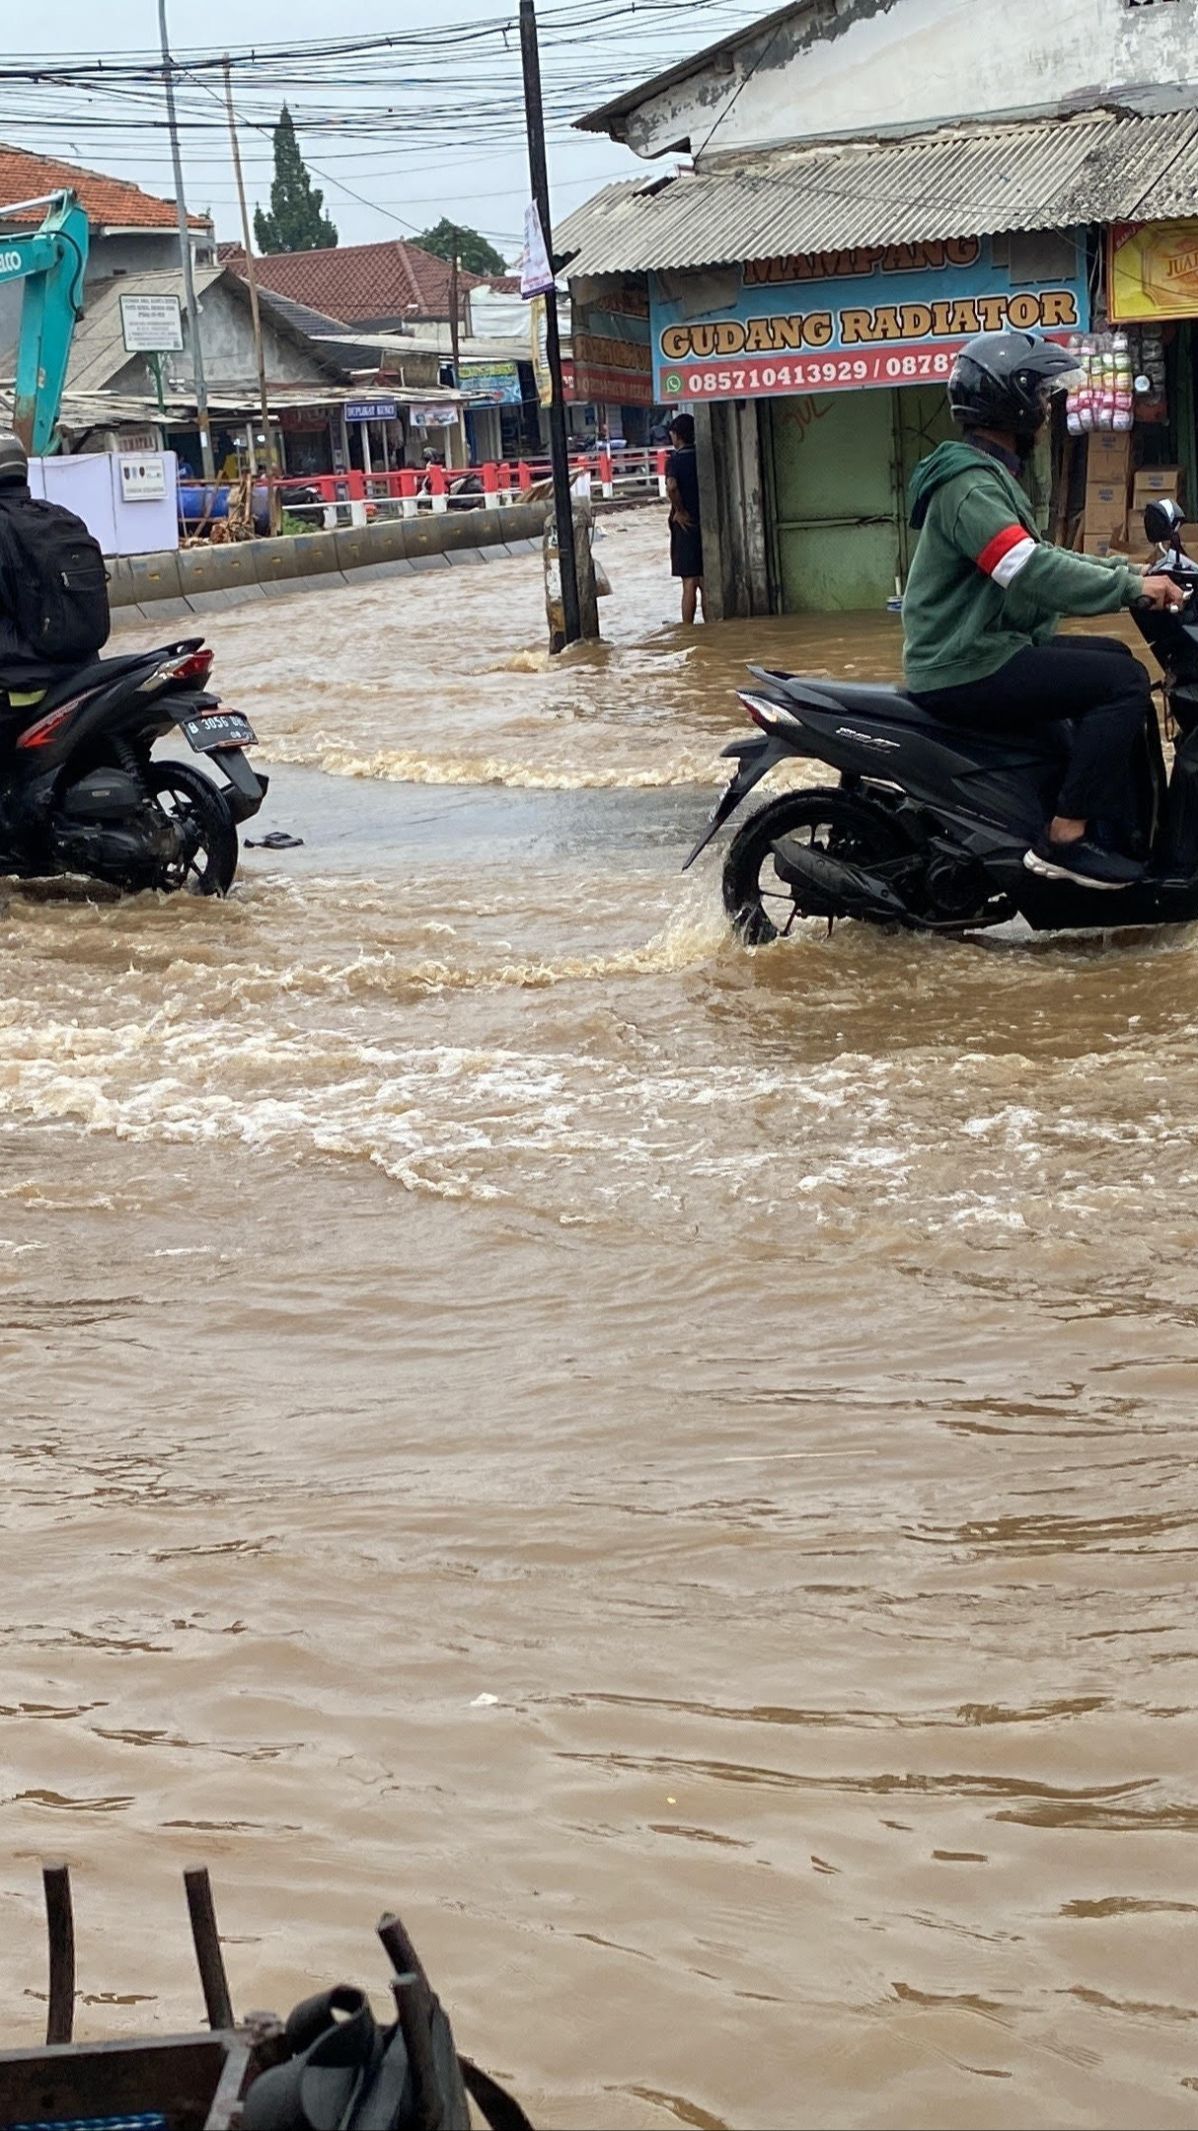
{"points": [[1157, 481], [1108, 457], [1106, 507], [1105, 544]]}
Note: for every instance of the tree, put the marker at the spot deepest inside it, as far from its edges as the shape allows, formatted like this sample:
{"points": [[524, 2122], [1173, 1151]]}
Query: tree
{"points": [[296, 222], [476, 255]]}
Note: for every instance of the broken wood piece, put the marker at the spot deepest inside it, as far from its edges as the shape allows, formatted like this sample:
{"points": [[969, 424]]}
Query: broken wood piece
{"points": [[217, 2003], [60, 1924]]}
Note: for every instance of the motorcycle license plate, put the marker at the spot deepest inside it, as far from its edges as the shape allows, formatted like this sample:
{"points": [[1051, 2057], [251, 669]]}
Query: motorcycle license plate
{"points": [[214, 729]]}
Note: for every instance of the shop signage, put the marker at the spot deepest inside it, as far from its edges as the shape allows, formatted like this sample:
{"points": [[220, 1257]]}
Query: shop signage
{"points": [[491, 384], [371, 411], [845, 321], [613, 359], [1152, 271]]}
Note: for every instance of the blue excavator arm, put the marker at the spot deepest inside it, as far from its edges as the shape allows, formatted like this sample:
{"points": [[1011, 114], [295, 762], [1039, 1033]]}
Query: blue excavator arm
{"points": [[51, 262]]}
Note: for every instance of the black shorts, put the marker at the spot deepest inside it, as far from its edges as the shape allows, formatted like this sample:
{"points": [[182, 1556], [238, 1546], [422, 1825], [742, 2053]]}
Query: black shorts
{"points": [[686, 551]]}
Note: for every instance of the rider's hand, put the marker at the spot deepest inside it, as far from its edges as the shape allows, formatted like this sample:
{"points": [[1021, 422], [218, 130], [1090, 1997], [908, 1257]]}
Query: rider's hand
{"points": [[1161, 593]]}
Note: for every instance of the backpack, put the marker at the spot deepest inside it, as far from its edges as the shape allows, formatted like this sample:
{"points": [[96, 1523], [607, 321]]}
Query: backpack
{"points": [[55, 582], [341, 2071]]}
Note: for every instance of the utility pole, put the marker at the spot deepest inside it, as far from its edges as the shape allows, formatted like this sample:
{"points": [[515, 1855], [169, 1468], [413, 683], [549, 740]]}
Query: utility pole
{"points": [[455, 298], [193, 311], [563, 502], [251, 275]]}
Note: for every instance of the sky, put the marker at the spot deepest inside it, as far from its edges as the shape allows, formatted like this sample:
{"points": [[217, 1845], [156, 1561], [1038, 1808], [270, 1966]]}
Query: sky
{"points": [[400, 138]]}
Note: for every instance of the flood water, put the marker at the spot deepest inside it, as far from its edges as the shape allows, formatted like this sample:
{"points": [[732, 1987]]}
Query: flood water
{"points": [[672, 1467]]}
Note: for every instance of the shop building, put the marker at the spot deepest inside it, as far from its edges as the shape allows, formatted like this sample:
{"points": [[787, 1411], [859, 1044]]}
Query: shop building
{"points": [[806, 297]]}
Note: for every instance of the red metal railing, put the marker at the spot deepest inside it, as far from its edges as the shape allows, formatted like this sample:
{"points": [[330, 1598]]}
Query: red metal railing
{"points": [[409, 489]]}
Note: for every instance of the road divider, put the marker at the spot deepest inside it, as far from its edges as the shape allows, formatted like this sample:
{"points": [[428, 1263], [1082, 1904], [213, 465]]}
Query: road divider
{"points": [[203, 579]]}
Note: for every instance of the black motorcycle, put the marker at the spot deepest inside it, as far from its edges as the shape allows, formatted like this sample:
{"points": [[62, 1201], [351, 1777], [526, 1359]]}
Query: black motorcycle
{"points": [[928, 825], [81, 792]]}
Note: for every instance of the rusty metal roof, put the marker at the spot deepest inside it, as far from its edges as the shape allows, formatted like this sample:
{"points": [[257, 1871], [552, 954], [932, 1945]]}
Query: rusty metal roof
{"points": [[955, 181]]}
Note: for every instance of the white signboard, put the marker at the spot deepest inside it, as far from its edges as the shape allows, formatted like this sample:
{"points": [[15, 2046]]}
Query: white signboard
{"points": [[152, 325], [143, 480]]}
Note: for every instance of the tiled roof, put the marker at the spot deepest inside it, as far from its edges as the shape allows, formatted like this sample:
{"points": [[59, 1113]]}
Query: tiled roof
{"points": [[360, 281], [113, 203]]}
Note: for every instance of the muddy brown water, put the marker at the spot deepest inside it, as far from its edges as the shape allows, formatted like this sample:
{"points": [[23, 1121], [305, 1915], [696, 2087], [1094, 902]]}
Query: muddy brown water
{"points": [[673, 1467]]}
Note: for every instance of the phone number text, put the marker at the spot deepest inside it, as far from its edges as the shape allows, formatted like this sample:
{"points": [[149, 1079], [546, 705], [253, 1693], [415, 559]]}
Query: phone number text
{"points": [[828, 373]]}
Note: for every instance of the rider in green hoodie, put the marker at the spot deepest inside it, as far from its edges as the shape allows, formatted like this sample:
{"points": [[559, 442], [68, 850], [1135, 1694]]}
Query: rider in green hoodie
{"points": [[985, 595]]}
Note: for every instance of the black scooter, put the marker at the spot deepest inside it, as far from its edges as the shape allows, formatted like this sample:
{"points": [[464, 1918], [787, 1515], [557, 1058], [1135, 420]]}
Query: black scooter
{"points": [[928, 825], [81, 794]]}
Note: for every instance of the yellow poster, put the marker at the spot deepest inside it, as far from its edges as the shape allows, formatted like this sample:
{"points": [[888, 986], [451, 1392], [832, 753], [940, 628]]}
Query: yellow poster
{"points": [[1152, 271], [538, 327]]}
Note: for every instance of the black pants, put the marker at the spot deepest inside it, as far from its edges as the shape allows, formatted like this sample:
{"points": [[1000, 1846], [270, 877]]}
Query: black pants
{"points": [[1095, 681]]}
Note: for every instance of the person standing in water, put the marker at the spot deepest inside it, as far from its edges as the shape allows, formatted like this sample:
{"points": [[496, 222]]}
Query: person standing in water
{"points": [[686, 535]]}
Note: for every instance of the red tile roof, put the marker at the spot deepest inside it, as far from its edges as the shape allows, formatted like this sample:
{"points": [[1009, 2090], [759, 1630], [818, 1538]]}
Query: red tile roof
{"points": [[114, 203], [359, 281]]}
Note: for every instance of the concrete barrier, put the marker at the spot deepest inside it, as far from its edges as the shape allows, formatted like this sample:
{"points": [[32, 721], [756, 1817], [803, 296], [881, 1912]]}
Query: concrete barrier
{"points": [[200, 579]]}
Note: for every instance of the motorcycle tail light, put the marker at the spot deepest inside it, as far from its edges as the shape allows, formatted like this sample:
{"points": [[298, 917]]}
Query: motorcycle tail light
{"points": [[196, 666], [757, 711]]}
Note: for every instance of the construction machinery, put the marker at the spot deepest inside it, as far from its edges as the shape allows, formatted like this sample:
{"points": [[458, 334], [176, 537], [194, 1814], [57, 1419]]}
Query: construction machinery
{"points": [[49, 261]]}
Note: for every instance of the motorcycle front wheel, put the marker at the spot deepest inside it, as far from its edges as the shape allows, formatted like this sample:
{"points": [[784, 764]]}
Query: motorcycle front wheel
{"points": [[760, 903], [207, 864]]}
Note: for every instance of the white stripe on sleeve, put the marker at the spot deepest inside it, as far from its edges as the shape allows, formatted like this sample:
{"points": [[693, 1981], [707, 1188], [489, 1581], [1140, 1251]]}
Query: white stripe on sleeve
{"points": [[1010, 564]]}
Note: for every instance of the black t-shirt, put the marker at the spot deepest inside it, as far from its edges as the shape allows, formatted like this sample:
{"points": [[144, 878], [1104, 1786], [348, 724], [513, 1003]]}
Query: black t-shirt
{"points": [[683, 467]]}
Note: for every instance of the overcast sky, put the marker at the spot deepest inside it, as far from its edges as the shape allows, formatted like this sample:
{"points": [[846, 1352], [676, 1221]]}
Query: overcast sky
{"points": [[456, 152]]}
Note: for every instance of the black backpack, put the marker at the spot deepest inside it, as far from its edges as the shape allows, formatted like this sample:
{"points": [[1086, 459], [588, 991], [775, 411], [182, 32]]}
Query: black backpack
{"points": [[55, 582]]}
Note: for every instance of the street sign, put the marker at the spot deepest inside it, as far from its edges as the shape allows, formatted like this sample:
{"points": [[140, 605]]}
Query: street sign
{"points": [[152, 325], [371, 411]]}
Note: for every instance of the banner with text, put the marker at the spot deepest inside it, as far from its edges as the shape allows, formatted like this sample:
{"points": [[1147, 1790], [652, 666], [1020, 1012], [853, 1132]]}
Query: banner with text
{"points": [[611, 341], [849, 320], [1152, 271]]}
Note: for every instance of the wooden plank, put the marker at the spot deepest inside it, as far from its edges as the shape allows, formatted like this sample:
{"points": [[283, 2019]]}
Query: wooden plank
{"points": [[179, 2075]]}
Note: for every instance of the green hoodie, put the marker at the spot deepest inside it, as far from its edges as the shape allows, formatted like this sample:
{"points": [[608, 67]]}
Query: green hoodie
{"points": [[983, 585]]}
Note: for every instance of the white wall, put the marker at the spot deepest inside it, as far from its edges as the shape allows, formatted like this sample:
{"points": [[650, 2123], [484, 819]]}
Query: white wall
{"points": [[890, 65], [90, 485]]}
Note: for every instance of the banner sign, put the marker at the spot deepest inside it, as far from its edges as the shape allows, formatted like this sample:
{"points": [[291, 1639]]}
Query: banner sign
{"points": [[613, 359], [372, 410], [845, 321], [152, 325], [491, 384], [1152, 271]]}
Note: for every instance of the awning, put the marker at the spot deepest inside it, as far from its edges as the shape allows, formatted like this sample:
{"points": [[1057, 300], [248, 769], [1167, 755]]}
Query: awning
{"points": [[954, 181]]}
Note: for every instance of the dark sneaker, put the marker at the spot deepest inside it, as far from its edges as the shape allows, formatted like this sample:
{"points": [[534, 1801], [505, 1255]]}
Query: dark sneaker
{"points": [[1083, 862]]}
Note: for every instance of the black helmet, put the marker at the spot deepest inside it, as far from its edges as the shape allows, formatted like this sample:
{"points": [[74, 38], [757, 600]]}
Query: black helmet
{"points": [[14, 459], [1004, 381]]}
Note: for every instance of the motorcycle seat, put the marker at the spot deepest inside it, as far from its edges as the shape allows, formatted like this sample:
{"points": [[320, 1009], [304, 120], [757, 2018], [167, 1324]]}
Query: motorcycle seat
{"points": [[81, 679], [862, 699], [875, 701]]}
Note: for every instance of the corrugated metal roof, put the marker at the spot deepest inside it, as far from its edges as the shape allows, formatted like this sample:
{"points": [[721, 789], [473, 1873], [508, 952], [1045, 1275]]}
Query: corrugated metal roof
{"points": [[956, 181]]}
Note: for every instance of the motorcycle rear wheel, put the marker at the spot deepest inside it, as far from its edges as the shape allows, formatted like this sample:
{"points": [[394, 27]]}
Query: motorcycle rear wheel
{"points": [[196, 803], [761, 905]]}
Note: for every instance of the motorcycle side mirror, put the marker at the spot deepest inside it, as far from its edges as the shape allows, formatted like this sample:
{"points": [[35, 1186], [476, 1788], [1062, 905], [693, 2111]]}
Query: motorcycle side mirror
{"points": [[1163, 521]]}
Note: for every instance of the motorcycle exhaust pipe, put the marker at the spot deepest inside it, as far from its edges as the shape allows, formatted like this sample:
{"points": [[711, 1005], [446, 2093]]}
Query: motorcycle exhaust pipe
{"points": [[834, 887]]}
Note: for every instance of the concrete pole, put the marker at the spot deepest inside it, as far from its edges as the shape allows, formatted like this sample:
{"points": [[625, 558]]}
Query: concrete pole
{"points": [[193, 310], [251, 275]]}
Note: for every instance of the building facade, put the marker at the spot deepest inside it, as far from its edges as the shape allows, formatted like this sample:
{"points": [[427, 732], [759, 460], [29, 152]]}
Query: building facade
{"points": [[866, 191]]}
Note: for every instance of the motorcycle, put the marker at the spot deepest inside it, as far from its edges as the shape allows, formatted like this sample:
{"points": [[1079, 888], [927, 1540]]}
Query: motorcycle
{"points": [[82, 794], [927, 825]]}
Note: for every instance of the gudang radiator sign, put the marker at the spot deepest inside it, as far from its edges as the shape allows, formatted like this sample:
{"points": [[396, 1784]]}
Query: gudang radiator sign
{"points": [[845, 321]]}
